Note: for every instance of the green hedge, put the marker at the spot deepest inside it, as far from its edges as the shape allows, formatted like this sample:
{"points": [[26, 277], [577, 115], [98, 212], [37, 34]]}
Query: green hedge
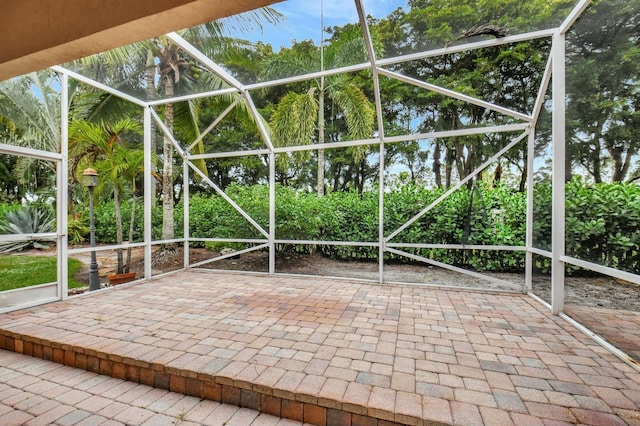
{"points": [[602, 226]]}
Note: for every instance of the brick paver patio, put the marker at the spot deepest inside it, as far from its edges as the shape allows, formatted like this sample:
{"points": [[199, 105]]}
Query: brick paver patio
{"points": [[338, 352]]}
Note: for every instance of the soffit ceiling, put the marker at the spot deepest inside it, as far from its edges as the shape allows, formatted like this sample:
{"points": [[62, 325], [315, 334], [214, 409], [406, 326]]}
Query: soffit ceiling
{"points": [[39, 34]]}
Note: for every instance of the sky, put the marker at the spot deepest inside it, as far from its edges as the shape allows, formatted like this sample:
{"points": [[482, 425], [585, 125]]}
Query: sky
{"points": [[303, 18]]}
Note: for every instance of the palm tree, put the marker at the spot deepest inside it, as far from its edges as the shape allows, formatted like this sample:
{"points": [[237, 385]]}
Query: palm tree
{"points": [[103, 146], [30, 106], [294, 119], [165, 64]]}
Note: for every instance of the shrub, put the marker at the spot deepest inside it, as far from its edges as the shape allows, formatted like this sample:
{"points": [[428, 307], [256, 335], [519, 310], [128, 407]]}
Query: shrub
{"points": [[602, 225]]}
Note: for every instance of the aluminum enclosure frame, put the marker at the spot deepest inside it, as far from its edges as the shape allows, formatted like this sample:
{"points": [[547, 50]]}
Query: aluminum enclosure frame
{"points": [[554, 76]]}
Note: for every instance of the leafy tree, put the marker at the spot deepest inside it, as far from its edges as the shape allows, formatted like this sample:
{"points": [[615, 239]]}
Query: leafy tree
{"points": [[300, 114], [603, 76], [508, 76]]}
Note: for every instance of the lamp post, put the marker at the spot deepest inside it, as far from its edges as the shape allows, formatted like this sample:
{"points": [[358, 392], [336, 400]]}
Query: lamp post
{"points": [[90, 180]]}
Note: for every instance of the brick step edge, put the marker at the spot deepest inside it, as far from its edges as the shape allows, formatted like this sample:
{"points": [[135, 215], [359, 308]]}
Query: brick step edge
{"points": [[205, 386]]}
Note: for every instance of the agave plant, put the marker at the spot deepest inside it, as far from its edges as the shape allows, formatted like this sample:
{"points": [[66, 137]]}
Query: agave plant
{"points": [[26, 221]]}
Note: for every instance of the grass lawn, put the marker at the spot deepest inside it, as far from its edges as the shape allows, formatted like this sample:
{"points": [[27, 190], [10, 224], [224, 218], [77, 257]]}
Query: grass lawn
{"points": [[24, 271]]}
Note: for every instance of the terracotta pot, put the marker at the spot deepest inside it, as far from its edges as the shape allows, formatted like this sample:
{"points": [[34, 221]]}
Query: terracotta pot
{"points": [[121, 278]]}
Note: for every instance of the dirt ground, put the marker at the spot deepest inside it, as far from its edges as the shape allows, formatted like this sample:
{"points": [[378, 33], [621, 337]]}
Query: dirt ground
{"points": [[593, 291]]}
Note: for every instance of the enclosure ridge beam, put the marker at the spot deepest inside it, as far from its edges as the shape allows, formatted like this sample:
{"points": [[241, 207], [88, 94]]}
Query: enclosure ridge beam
{"points": [[460, 132], [309, 76], [230, 154], [327, 145], [455, 95], [401, 59], [201, 95], [467, 46], [98, 85], [458, 185], [205, 60]]}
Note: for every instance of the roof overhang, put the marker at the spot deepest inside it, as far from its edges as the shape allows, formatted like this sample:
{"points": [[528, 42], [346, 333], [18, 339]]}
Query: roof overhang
{"points": [[39, 34]]}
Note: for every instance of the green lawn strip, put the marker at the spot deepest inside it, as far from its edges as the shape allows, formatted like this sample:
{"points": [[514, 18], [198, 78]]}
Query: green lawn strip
{"points": [[24, 271]]}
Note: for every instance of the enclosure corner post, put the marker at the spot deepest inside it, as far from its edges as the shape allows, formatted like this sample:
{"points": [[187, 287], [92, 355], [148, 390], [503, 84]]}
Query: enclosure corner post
{"points": [[62, 193], [272, 212], [559, 165], [528, 264], [185, 198], [148, 181]]}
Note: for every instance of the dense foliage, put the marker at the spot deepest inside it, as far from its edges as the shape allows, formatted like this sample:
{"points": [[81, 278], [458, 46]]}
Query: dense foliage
{"points": [[603, 222]]}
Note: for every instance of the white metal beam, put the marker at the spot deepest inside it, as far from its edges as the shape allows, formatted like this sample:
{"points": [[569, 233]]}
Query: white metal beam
{"points": [[573, 16], [62, 191], [148, 181], [29, 152], [214, 124], [455, 95], [98, 85], [558, 183]]}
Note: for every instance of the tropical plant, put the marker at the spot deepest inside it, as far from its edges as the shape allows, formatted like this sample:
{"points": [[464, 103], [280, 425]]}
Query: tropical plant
{"points": [[103, 145], [300, 114], [26, 221], [165, 70]]}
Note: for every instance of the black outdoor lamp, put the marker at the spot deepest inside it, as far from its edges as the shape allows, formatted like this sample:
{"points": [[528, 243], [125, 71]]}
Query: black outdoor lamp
{"points": [[90, 180]]}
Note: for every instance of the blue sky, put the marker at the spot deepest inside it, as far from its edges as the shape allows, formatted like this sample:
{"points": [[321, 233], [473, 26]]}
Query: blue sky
{"points": [[303, 18]]}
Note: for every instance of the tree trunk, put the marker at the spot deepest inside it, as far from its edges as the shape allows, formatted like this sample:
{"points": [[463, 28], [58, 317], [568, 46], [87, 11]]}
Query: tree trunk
{"points": [[116, 204], [523, 178], [167, 169], [448, 170], [437, 166], [320, 183], [127, 266], [151, 94]]}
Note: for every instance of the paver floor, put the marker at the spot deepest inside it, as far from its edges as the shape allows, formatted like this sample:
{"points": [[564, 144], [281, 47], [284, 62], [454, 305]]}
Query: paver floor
{"points": [[39, 392], [328, 351]]}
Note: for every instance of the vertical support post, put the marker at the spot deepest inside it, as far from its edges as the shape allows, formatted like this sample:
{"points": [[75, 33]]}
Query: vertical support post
{"points": [[378, 102], [381, 239], [148, 181], [185, 198], [528, 263], [558, 189], [272, 213], [62, 193]]}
